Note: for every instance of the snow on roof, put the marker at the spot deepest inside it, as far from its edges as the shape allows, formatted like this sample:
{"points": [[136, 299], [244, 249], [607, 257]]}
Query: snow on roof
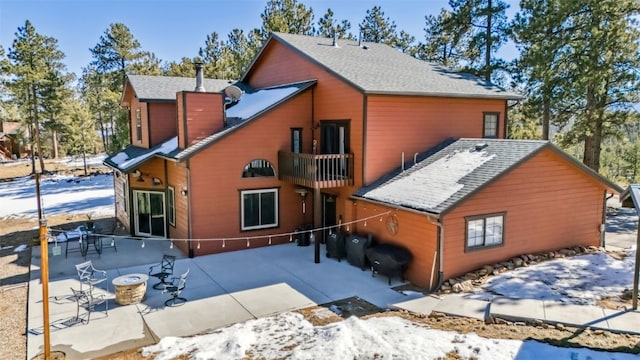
{"points": [[123, 161], [440, 180], [251, 104]]}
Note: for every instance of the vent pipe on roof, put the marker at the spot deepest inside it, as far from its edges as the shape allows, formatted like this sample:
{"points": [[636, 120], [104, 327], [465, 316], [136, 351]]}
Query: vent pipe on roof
{"points": [[199, 78], [360, 38], [335, 39]]}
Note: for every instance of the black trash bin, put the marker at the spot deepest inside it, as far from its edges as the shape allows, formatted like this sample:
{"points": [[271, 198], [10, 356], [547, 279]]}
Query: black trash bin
{"points": [[356, 246], [303, 235], [335, 246]]}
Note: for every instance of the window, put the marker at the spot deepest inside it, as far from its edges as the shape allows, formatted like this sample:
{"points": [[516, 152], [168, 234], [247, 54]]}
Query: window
{"points": [[171, 205], [259, 209], [138, 125], [490, 125], [485, 231], [296, 140], [258, 168]]}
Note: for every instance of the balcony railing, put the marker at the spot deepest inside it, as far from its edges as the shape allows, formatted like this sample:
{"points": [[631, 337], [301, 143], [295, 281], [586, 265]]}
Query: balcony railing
{"points": [[316, 171]]}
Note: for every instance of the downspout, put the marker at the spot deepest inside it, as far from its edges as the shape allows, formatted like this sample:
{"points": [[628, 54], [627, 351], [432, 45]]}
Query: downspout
{"points": [[439, 251], [604, 219], [189, 217]]}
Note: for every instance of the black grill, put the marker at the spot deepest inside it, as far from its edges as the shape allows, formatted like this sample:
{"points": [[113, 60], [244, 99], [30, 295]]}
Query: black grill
{"points": [[388, 259]]}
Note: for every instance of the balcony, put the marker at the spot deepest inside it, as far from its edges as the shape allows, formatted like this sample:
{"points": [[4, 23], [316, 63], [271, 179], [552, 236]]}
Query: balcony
{"points": [[316, 171]]}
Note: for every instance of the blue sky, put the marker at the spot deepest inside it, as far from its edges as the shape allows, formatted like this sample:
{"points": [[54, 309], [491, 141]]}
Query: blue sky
{"points": [[173, 29]]}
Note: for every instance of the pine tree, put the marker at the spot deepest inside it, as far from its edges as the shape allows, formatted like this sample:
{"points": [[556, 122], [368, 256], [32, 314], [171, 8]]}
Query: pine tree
{"points": [[286, 16], [329, 27], [240, 50], [116, 53], [33, 62], [605, 71], [443, 43], [376, 28], [483, 24], [539, 33]]}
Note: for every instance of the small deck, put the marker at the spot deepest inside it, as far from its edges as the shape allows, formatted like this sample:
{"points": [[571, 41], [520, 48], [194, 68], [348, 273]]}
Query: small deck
{"points": [[316, 171]]}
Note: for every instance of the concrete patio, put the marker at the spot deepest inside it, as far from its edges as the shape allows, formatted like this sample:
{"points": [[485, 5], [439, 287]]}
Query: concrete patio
{"points": [[222, 289]]}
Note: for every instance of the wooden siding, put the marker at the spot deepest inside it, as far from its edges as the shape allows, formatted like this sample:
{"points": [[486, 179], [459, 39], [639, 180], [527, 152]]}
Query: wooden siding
{"points": [[333, 98], [216, 178], [122, 205], [153, 168], [135, 104], [416, 233], [549, 204], [177, 178], [204, 115], [162, 122], [397, 124]]}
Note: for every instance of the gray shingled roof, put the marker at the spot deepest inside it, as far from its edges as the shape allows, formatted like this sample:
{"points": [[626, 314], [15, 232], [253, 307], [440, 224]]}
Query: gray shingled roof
{"points": [[132, 156], [163, 88], [379, 69], [446, 176]]}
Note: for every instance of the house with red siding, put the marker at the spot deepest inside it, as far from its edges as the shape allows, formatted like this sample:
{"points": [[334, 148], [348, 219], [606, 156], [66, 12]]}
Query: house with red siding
{"points": [[333, 136]]}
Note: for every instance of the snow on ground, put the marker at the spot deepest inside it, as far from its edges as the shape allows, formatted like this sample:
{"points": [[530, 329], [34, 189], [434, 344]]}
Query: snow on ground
{"points": [[94, 160], [580, 279], [290, 336], [59, 194]]}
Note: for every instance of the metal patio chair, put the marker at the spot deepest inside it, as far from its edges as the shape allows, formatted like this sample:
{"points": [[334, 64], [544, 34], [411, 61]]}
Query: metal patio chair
{"points": [[87, 301], [90, 276], [162, 270], [175, 287]]}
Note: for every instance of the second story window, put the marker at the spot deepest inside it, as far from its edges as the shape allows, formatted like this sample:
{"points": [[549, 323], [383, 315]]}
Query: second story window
{"points": [[490, 125], [138, 125], [258, 168]]}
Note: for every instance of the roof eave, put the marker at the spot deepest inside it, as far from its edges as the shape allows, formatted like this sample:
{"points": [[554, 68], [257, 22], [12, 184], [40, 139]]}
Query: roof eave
{"points": [[448, 95], [398, 207], [290, 46]]}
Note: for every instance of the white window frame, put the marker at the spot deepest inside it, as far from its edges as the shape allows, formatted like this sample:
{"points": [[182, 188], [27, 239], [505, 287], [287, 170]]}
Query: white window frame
{"points": [[275, 209], [484, 222], [171, 205], [494, 116]]}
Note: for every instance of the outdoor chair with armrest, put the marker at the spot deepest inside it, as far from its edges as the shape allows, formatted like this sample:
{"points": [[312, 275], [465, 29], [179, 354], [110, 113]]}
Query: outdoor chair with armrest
{"points": [[87, 301], [90, 276], [162, 270], [175, 287]]}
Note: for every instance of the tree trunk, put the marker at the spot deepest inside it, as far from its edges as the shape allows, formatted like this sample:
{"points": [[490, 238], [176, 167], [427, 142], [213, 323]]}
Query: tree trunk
{"points": [[487, 54], [54, 144], [593, 139], [37, 127], [546, 116]]}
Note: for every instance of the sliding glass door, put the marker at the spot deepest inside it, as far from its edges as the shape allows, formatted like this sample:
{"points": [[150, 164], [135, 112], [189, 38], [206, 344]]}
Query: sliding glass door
{"points": [[149, 213]]}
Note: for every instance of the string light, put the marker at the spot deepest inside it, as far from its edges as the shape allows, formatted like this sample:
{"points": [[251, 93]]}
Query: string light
{"points": [[248, 238]]}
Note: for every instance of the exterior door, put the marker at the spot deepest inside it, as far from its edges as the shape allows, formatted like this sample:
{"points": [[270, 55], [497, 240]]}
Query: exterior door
{"points": [[328, 215], [149, 213], [334, 137]]}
